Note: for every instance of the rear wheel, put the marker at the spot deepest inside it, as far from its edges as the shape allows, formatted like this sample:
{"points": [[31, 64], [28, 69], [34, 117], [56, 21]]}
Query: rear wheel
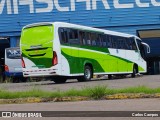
{"points": [[88, 73], [110, 77]]}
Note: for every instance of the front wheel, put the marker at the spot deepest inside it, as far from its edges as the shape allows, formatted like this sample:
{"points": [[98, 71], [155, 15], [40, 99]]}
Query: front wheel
{"points": [[134, 72], [88, 73]]}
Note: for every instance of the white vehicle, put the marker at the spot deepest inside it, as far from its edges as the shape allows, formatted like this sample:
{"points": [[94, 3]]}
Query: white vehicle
{"points": [[13, 67], [64, 50]]}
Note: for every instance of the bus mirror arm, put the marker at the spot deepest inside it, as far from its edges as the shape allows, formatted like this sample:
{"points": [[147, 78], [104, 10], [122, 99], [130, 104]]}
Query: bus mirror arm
{"points": [[147, 46]]}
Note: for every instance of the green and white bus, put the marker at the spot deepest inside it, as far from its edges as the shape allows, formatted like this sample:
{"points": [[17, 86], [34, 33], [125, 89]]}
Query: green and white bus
{"points": [[63, 50]]}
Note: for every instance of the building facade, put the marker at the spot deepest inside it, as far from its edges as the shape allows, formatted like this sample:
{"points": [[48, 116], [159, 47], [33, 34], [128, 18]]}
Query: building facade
{"points": [[138, 17]]}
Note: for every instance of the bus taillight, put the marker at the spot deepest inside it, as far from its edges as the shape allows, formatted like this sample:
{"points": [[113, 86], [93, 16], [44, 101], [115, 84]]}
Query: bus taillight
{"points": [[55, 59], [6, 68], [22, 61]]}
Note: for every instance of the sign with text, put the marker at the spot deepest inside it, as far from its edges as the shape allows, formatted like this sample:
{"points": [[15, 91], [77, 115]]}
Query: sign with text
{"points": [[22, 114]]}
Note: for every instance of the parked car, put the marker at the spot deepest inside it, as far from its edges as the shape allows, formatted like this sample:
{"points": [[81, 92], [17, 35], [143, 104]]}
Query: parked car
{"points": [[13, 68]]}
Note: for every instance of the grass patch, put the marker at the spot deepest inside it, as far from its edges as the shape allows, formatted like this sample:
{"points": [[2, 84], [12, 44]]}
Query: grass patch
{"points": [[96, 92]]}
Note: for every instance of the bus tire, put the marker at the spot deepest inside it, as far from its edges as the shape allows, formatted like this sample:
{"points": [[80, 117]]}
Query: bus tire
{"points": [[88, 73], [133, 75], [110, 77]]}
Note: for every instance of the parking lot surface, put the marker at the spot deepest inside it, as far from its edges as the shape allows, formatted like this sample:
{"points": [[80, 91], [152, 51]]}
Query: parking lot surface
{"points": [[152, 81]]}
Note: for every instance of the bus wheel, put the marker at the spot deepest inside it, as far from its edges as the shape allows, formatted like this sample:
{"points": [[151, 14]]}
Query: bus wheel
{"points": [[88, 73], [134, 72], [59, 80], [110, 77]]}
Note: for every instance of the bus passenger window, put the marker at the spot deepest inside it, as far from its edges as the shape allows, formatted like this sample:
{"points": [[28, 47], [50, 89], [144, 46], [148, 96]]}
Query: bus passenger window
{"points": [[93, 38], [88, 38], [114, 42], [127, 44], [63, 35], [82, 38], [73, 36], [123, 43], [132, 44], [119, 45], [105, 40], [99, 41], [134, 47], [109, 42]]}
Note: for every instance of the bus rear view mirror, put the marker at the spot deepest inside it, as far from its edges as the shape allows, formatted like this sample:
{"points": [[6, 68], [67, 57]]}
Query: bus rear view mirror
{"points": [[147, 46]]}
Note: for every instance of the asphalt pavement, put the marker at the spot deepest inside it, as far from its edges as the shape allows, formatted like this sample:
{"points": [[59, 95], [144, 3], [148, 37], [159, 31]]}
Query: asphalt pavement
{"points": [[152, 81], [84, 110]]}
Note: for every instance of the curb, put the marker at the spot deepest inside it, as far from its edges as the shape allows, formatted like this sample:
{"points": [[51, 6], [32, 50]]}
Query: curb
{"points": [[78, 98], [132, 96], [40, 100]]}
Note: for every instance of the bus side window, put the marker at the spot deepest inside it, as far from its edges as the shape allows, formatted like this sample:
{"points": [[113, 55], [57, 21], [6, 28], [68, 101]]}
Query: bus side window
{"points": [[73, 36], [93, 39], [88, 38], [105, 40], [99, 40], [127, 44], [121, 43], [63, 35], [124, 43], [109, 42], [114, 42], [131, 44], [134, 47], [119, 46], [82, 37], [138, 43]]}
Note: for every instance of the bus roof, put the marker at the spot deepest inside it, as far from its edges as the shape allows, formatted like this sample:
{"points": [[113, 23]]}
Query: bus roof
{"points": [[70, 25]]}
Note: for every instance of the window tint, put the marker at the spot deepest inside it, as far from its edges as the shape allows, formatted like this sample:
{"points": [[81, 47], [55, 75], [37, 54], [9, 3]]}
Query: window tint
{"points": [[93, 39], [73, 36], [114, 42], [100, 37], [141, 49], [134, 47], [121, 43], [105, 40], [63, 35], [139, 43], [82, 37], [127, 44], [88, 38], [99, 40], [109, 41], [13, 53]]}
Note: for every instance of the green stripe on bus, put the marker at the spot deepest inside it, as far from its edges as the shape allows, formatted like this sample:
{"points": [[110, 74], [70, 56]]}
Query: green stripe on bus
{"points": [[100, 62], [77, 64]]}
